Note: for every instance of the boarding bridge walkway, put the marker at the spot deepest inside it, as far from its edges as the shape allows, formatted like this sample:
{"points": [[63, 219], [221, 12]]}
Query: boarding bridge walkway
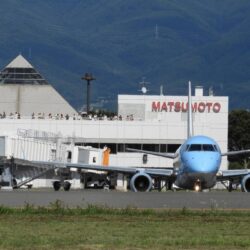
{"points": [[16, 173]]}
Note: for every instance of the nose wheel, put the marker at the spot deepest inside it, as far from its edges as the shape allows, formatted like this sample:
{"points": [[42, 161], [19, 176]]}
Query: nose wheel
{"points": [[197, 186]]}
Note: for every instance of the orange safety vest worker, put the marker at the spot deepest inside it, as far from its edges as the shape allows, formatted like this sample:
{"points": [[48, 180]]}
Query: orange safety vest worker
{"points": [[105, 157]]}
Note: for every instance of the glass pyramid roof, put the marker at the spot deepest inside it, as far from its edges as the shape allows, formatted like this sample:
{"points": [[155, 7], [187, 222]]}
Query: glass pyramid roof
{"points": [[20, 71]]}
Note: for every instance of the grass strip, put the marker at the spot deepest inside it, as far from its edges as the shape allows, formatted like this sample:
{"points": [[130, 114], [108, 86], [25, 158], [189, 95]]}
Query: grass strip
{"points": [[96, 227]]}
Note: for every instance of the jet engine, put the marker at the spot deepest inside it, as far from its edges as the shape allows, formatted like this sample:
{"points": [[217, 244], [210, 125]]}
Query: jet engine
{"points": [[141, 182], [245, 183]]}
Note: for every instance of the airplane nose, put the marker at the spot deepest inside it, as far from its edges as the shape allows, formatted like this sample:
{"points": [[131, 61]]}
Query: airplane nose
{"points": [[203, 164]]}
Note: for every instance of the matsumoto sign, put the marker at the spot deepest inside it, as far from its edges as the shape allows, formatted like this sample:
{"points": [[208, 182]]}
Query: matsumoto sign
{"points": [[183, 106]]}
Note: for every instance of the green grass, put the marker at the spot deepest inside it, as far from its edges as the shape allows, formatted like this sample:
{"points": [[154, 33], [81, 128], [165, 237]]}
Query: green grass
{"points": [[58, 227]]}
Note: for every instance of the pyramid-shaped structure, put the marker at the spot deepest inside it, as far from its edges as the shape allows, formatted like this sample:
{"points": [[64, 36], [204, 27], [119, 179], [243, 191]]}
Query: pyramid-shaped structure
{"points": [[25, 91], [20, 71]]}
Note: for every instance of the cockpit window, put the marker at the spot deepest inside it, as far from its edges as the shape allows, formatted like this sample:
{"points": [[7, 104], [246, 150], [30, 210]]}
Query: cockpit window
{"points": [[208, 147], [201, 147], [195, 147]]}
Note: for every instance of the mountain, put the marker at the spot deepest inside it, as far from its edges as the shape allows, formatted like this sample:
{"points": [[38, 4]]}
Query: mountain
{"points": [[166, 41]]}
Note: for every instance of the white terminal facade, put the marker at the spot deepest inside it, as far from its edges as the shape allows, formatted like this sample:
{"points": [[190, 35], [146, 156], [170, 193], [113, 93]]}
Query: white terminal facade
{"points": [[162, 121], [157, 123], [149, 122]]}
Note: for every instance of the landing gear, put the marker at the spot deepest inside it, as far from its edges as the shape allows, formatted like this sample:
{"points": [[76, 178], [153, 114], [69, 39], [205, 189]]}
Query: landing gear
{"points": [[56, 185], [230, 186], [66, 186], [170, 186], [197, 186]]}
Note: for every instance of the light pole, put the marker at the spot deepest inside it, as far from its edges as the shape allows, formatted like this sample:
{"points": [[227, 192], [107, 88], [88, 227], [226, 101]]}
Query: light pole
{"points": [[88, 77]]}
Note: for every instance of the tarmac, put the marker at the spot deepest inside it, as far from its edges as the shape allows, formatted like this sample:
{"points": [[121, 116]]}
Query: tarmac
{"points": [[117, 199]]}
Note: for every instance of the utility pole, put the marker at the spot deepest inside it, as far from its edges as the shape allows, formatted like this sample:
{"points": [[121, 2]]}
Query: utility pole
{"points": [[156, 32], [88, 77]]}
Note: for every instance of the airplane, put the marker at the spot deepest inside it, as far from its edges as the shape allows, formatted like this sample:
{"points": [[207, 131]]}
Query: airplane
{"points": [[196, 166], [197, 162]]}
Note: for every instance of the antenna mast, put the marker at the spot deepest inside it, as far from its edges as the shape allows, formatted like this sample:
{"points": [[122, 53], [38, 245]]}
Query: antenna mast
{"points": [[143, 89], [190, 112], [156, 32]]}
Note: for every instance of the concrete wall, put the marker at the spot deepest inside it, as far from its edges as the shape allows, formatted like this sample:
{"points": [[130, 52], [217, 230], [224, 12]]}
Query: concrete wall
{"points": [[26, 99], [119, 132]]}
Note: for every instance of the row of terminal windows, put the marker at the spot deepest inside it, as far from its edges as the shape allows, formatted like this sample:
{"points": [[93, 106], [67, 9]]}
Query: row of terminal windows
{"points": [[201, 147], [120, 147]]}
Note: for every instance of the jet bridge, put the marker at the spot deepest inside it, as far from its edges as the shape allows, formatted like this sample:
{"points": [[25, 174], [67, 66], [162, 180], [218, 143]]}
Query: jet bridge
{"points": [[18, 167], [17, 155]]}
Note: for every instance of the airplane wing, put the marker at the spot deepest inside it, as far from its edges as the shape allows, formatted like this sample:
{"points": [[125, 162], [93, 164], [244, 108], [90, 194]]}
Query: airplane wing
{"points": [[232, 174], [159, 172], [141, 178], [117, 169], [237, 177], [247, 151], [166, 155]]}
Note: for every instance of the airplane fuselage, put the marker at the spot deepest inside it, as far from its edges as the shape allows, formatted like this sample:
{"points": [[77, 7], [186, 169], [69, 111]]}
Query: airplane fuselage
{"points": [[198, 161]]}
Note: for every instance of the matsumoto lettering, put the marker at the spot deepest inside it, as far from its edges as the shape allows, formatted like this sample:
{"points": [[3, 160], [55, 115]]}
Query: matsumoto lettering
{"points": [[183, 107]]}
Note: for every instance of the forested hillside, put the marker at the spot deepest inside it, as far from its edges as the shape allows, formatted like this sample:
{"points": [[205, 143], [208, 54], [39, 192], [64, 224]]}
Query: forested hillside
{"points": [[167, 41]]}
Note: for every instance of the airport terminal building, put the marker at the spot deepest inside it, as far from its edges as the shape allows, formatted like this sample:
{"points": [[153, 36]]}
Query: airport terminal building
{"points": [[149, 122]]}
